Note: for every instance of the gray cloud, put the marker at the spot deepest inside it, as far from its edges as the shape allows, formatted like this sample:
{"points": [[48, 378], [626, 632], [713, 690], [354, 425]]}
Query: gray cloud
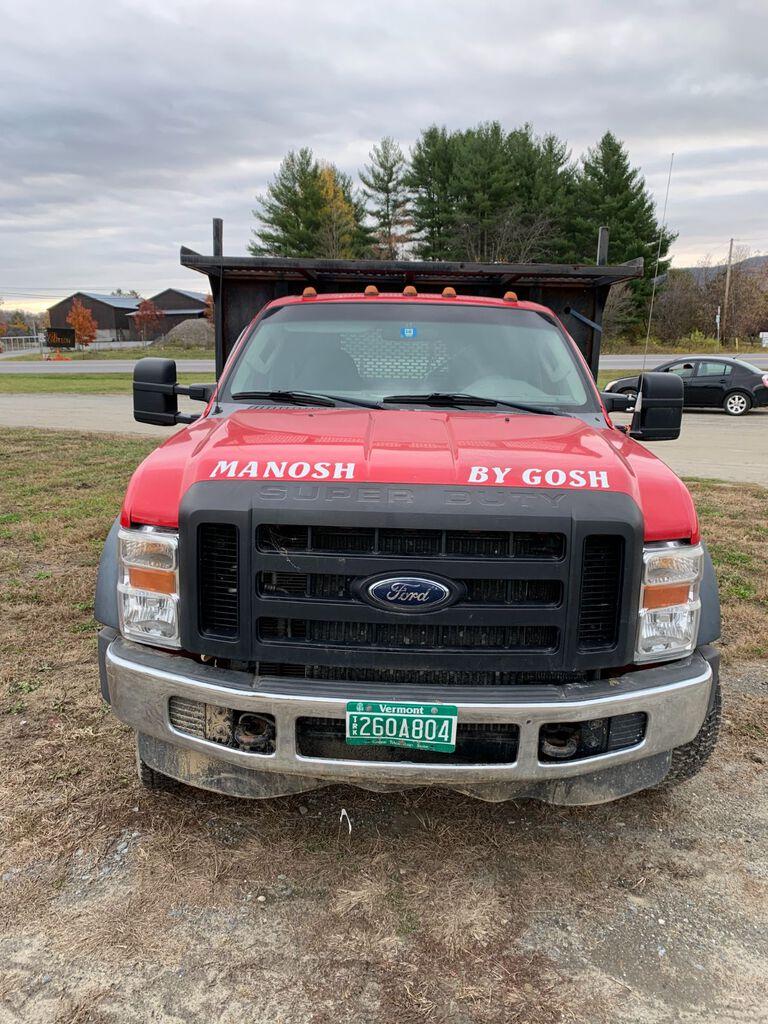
{"points": [[126, 126]]}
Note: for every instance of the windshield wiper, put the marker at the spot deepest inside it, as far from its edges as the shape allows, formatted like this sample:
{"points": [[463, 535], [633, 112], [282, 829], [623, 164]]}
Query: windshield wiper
{"points": [[303, 398], [459, 398]]}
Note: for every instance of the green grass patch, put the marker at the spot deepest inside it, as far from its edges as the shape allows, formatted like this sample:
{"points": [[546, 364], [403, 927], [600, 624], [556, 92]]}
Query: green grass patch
{"points": [[67, 383], [161, 351], [606, 375]]}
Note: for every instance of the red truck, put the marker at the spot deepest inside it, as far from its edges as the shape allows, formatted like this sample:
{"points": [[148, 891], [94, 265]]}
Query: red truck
{"points": [[406, 545]]}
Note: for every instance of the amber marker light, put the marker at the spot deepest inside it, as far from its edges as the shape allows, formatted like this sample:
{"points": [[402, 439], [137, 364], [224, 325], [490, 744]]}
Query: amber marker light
{"points": [[159, 581], [666, 595]]}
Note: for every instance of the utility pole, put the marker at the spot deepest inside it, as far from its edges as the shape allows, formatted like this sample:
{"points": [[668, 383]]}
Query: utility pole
{"points": [[724, 331]]}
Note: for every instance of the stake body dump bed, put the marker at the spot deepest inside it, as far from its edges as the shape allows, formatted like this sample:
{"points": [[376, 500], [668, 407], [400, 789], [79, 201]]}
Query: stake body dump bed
{"points": [[242, 285]]}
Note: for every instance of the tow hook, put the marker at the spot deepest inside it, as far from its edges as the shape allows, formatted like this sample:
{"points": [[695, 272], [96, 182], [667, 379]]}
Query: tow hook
{"points": [[255, 733]]}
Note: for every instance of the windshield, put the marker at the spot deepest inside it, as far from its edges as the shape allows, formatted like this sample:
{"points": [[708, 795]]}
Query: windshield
{"points": [[373, 350]]}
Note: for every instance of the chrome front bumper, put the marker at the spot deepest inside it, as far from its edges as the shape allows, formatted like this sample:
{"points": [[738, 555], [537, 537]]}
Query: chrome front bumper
{"points": [[141, 682]]}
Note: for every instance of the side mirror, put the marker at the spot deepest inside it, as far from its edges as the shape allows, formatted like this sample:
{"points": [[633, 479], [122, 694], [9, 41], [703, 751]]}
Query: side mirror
{"points": [[155, 392], [615, 402], [658, 409]]}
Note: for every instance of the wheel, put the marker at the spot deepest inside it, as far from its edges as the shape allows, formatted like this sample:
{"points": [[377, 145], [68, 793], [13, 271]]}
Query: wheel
{"points": [[688, 760], [737, 403], [631, 393], [150, 778]]}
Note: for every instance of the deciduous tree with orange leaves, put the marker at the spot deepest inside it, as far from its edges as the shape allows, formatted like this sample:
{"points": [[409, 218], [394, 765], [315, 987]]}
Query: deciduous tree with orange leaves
{"points": [[81, 320], [149, 319]]}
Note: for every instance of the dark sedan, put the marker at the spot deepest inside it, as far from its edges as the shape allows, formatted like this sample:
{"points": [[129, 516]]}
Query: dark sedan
{"points": [[714, 382]]}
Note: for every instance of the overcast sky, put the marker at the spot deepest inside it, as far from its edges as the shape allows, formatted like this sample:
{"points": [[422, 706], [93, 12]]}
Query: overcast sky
{"points": [[126, 125]]}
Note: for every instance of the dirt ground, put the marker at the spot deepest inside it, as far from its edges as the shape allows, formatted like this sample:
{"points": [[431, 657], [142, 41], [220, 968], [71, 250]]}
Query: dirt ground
{"points": [[121, 906]]}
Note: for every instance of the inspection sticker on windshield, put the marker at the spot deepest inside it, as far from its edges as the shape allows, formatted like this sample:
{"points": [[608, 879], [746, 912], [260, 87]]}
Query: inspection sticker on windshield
{"points": [[402, 724], [408, 332]]}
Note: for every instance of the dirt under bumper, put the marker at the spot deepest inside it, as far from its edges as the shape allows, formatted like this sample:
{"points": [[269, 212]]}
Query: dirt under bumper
{"points": [[145, 686]]}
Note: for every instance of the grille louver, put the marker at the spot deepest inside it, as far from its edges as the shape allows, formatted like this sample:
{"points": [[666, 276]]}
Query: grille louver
{"points": [[218, 575], [411, 543], [336, 587], [601, 585], [400, 637]]}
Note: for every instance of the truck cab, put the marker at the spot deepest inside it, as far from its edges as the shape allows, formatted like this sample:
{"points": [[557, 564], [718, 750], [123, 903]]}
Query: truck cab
{"points": [[404, 545]]}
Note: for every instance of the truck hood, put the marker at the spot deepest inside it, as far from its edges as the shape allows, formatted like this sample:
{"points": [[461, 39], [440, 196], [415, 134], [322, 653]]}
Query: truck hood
{"points": [[334, 447]]}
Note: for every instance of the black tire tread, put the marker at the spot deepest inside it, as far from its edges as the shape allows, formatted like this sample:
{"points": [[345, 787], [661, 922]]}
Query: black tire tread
{"points": [[152, 779], [688, 760]]}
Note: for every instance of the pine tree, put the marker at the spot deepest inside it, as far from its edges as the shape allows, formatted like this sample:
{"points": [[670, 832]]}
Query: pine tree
{"points": [[610, 191], [290, 212], [430, 180], [553, 194], [483, 185], [384, 186], [311, 211]]}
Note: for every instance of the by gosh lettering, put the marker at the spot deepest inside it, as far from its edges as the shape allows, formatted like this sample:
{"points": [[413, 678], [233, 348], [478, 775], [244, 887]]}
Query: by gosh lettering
{"points": [[283, 470], [533, 477]]}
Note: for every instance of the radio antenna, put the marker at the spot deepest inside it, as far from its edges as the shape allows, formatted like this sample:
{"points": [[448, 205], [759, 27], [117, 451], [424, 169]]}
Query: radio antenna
{"points": [[658, 259]]}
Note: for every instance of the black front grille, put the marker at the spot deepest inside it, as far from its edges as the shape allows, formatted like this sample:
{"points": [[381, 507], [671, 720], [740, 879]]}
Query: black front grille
{"points": [[219, 605], [397, 636], [545, 589], [475, 744], [410, 543], [335, 587], [601, 587], [416, 677]]}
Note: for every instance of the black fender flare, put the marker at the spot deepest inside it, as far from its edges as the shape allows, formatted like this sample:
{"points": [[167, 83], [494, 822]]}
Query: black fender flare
{"points": [[105, 602], [709, 625]]}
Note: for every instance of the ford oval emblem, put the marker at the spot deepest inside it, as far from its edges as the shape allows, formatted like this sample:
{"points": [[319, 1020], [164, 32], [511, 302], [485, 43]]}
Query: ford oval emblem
{"points": [[409, 593]]}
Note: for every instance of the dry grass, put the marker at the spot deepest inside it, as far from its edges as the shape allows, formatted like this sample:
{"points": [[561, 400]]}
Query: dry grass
{"points": [[734, 522], [435, 908]]}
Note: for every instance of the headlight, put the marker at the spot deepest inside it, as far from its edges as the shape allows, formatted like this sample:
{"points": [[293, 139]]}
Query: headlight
{"points": [[669, 601], [148, 587]]}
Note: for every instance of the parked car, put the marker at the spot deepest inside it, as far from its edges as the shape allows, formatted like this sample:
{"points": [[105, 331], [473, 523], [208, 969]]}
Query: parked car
{"points": [[712, 383]]}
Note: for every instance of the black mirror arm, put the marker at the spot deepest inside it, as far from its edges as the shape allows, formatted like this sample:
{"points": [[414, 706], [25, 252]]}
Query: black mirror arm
{"points": [[197, 392]]}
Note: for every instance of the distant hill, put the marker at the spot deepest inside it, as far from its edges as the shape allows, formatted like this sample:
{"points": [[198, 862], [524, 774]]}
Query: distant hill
{"points": [[753, 264]]}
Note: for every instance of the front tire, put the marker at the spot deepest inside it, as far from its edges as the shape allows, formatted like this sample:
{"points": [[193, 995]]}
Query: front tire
{"points": [[737, 403], [152, 779], [689, 759]]}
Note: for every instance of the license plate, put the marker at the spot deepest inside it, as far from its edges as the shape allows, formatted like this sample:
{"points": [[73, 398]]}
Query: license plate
{"points": [[402, 724]]}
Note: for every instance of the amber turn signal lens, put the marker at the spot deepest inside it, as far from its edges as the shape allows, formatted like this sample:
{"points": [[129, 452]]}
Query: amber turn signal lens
{"points": [[666, 595], [159, 581]]}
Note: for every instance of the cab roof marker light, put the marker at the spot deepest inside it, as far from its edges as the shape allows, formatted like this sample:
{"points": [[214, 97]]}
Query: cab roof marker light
{"points": [[510, 296], [449, 293], [410, 290], [371, 291], [309, 293]]}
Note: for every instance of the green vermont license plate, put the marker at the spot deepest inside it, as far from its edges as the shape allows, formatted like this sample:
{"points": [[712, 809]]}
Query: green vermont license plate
{"points": [[402, 724]]}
